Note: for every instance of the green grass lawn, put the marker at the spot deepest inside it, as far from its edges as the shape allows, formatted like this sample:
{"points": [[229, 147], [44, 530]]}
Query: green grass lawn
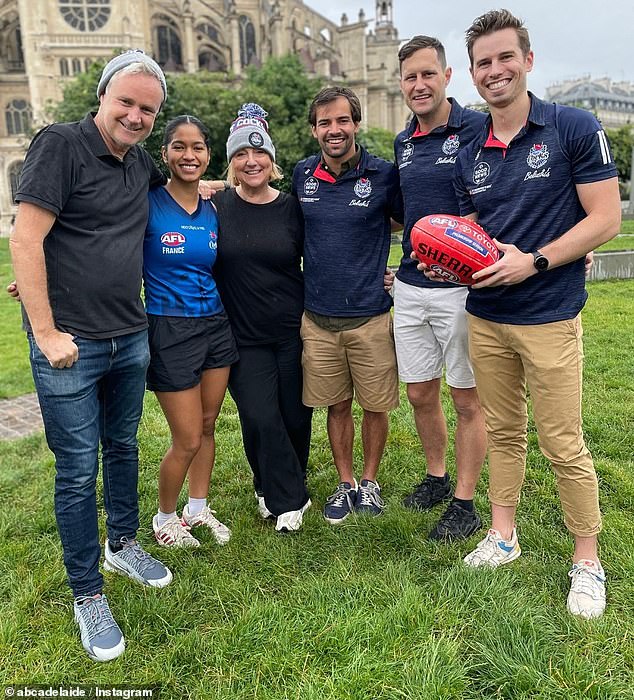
{"points": [[370, 610]]}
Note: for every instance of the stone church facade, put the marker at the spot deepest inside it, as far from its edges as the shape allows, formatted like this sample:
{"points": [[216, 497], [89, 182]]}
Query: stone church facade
{"points": [[43, 43]]}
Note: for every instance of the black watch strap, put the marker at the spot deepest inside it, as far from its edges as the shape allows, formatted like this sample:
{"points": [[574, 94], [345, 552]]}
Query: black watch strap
{"points": [[540, 261]]}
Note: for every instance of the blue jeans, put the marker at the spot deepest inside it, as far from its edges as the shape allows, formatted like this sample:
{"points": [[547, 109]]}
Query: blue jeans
{"points": [[98, 399]]}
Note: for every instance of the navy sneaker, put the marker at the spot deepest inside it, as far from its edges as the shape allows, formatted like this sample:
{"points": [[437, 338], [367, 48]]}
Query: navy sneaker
{"points": [[369, 498], [456, 523], [100, 634], [430, 492], [339, 506]]}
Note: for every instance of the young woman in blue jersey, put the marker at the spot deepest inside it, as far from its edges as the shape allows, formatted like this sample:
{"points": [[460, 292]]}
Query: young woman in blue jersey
{"points": [[191, 343], [260, 279]]}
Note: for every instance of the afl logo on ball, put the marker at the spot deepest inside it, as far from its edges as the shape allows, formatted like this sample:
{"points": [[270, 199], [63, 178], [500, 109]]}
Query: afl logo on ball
{"points": [[311, 186], [173, 239], [256, 139], [363, 187]]}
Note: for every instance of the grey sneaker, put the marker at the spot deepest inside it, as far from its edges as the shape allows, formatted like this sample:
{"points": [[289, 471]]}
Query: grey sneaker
{"points": [[100, 634], [135, 562]]}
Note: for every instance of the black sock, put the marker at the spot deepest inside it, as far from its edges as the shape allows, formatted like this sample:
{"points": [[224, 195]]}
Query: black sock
{"points": [[115, 546], [463, 503], [440, 479]]}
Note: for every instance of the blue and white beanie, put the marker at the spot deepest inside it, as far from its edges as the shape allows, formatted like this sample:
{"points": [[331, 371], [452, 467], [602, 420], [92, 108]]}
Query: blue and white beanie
{"points": [[250, 130]]}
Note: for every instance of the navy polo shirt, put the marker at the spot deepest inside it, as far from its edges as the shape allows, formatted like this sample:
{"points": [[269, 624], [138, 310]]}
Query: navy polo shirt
{"points": [[426, 165], [347, 234], [94, 250], [525, 194]]}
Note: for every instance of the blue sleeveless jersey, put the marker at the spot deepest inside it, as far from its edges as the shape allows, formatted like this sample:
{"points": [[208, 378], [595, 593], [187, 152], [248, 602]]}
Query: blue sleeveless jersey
{"points": [[179, 251]]}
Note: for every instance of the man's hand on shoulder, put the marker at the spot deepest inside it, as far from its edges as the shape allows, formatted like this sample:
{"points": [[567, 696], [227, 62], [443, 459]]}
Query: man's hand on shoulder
{"points": [[58, 348], [512, 267]]}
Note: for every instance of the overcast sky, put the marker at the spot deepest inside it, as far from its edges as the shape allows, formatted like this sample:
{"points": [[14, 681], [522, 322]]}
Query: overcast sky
{"points": [[570, 38]]}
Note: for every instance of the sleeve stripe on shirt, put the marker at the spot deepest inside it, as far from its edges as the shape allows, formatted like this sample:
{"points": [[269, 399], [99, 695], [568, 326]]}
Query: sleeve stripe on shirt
{"points": [[605, 150]]}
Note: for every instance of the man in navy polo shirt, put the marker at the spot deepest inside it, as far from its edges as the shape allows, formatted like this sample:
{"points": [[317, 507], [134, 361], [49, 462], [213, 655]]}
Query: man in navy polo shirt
{"points": [[541, 180], [430, 323], [77, 254], [348, 198]]}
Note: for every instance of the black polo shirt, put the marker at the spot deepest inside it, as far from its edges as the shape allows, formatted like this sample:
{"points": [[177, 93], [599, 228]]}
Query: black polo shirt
{"points": [[94, 251]]}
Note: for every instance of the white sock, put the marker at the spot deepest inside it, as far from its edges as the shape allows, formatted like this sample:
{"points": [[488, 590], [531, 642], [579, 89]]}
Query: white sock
{"points": [[162, 517], [196, 505]]}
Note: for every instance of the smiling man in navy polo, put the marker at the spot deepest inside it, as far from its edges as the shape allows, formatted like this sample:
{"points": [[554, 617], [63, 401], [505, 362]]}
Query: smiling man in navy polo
{"points": [[430, 323], [348, 198], [541, 180]]}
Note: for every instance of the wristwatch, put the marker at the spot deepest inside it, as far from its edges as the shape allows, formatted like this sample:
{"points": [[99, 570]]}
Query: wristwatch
{"points": [[540, 261]]}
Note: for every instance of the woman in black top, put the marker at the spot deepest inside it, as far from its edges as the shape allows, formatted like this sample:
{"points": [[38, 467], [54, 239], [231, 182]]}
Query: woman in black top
{"points": [[258, 273]]}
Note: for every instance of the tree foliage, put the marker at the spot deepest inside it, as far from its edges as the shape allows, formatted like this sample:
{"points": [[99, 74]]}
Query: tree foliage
{"points": [[622, 142], [281, 86]]}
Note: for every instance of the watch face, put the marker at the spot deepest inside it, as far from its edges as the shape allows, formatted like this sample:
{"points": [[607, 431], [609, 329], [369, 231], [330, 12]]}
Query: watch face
{"points": [[541, 263]]}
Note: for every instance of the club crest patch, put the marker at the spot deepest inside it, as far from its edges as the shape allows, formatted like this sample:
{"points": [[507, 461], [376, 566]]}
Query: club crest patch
{"points": [[538, 155], [363, 187], [481, 172], [451, 145], [256, 139], [311, 185]]}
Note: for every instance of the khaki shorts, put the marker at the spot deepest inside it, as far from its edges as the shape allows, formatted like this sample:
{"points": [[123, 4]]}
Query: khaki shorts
{"points": [[341, 364]]}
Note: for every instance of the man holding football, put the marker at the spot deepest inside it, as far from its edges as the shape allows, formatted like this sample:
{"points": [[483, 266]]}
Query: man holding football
{"points": [[541, 181], [430, 325]]}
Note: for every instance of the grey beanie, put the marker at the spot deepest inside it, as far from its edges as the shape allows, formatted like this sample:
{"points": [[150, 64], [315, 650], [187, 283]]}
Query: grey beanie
{"points": [[127, 58], [250, 130]]}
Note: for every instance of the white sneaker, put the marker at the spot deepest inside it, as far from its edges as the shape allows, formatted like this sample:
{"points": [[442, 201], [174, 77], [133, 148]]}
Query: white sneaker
{"points": [[206, 518], [265, 513], [587, 589], [291, 521], [493, 551], [173, 533]]}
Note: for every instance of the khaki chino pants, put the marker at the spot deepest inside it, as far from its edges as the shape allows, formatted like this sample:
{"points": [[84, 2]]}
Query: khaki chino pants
{"points": [[548, 359]]}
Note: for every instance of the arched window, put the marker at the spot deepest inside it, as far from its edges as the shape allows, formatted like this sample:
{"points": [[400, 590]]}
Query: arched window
{"points": [[76, 66], [247, 40], [210, 31], [14, 178], [13, 47], [211, 61], [63, 67], [87, 63], [18, 115], [85, 15], [168, 44]]}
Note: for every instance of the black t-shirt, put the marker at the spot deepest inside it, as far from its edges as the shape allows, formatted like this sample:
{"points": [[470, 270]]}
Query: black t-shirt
{"points": [[258, 268], [94, 250]]}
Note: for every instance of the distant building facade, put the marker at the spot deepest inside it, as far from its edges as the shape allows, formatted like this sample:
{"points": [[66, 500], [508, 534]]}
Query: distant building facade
{"points": [[612, 102], [43, 43]]}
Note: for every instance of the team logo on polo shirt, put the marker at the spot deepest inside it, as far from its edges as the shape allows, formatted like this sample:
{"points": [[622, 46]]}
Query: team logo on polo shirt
{"points": [[451, 145], [407, 152], [538, 155], [311, 185], [481, 172], [363, 187], [213, 240], [256, 139]]}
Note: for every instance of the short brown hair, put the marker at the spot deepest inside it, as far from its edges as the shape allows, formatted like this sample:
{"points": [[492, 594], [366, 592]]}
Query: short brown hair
{"points": [[494, 21], [418, 42], [330, 94]]}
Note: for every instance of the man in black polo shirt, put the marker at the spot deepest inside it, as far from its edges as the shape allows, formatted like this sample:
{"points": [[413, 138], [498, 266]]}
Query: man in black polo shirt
{"points": [[77, 255]]}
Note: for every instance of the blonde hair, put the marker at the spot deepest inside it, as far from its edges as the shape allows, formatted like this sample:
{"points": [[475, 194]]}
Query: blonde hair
{"points": [[276, 173]]}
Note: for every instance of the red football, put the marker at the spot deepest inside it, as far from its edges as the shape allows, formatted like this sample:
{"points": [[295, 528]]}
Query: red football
{"points": [[452, 246]]}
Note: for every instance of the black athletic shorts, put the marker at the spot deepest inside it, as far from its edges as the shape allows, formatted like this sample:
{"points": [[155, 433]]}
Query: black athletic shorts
{"points": [[181, 348]]}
